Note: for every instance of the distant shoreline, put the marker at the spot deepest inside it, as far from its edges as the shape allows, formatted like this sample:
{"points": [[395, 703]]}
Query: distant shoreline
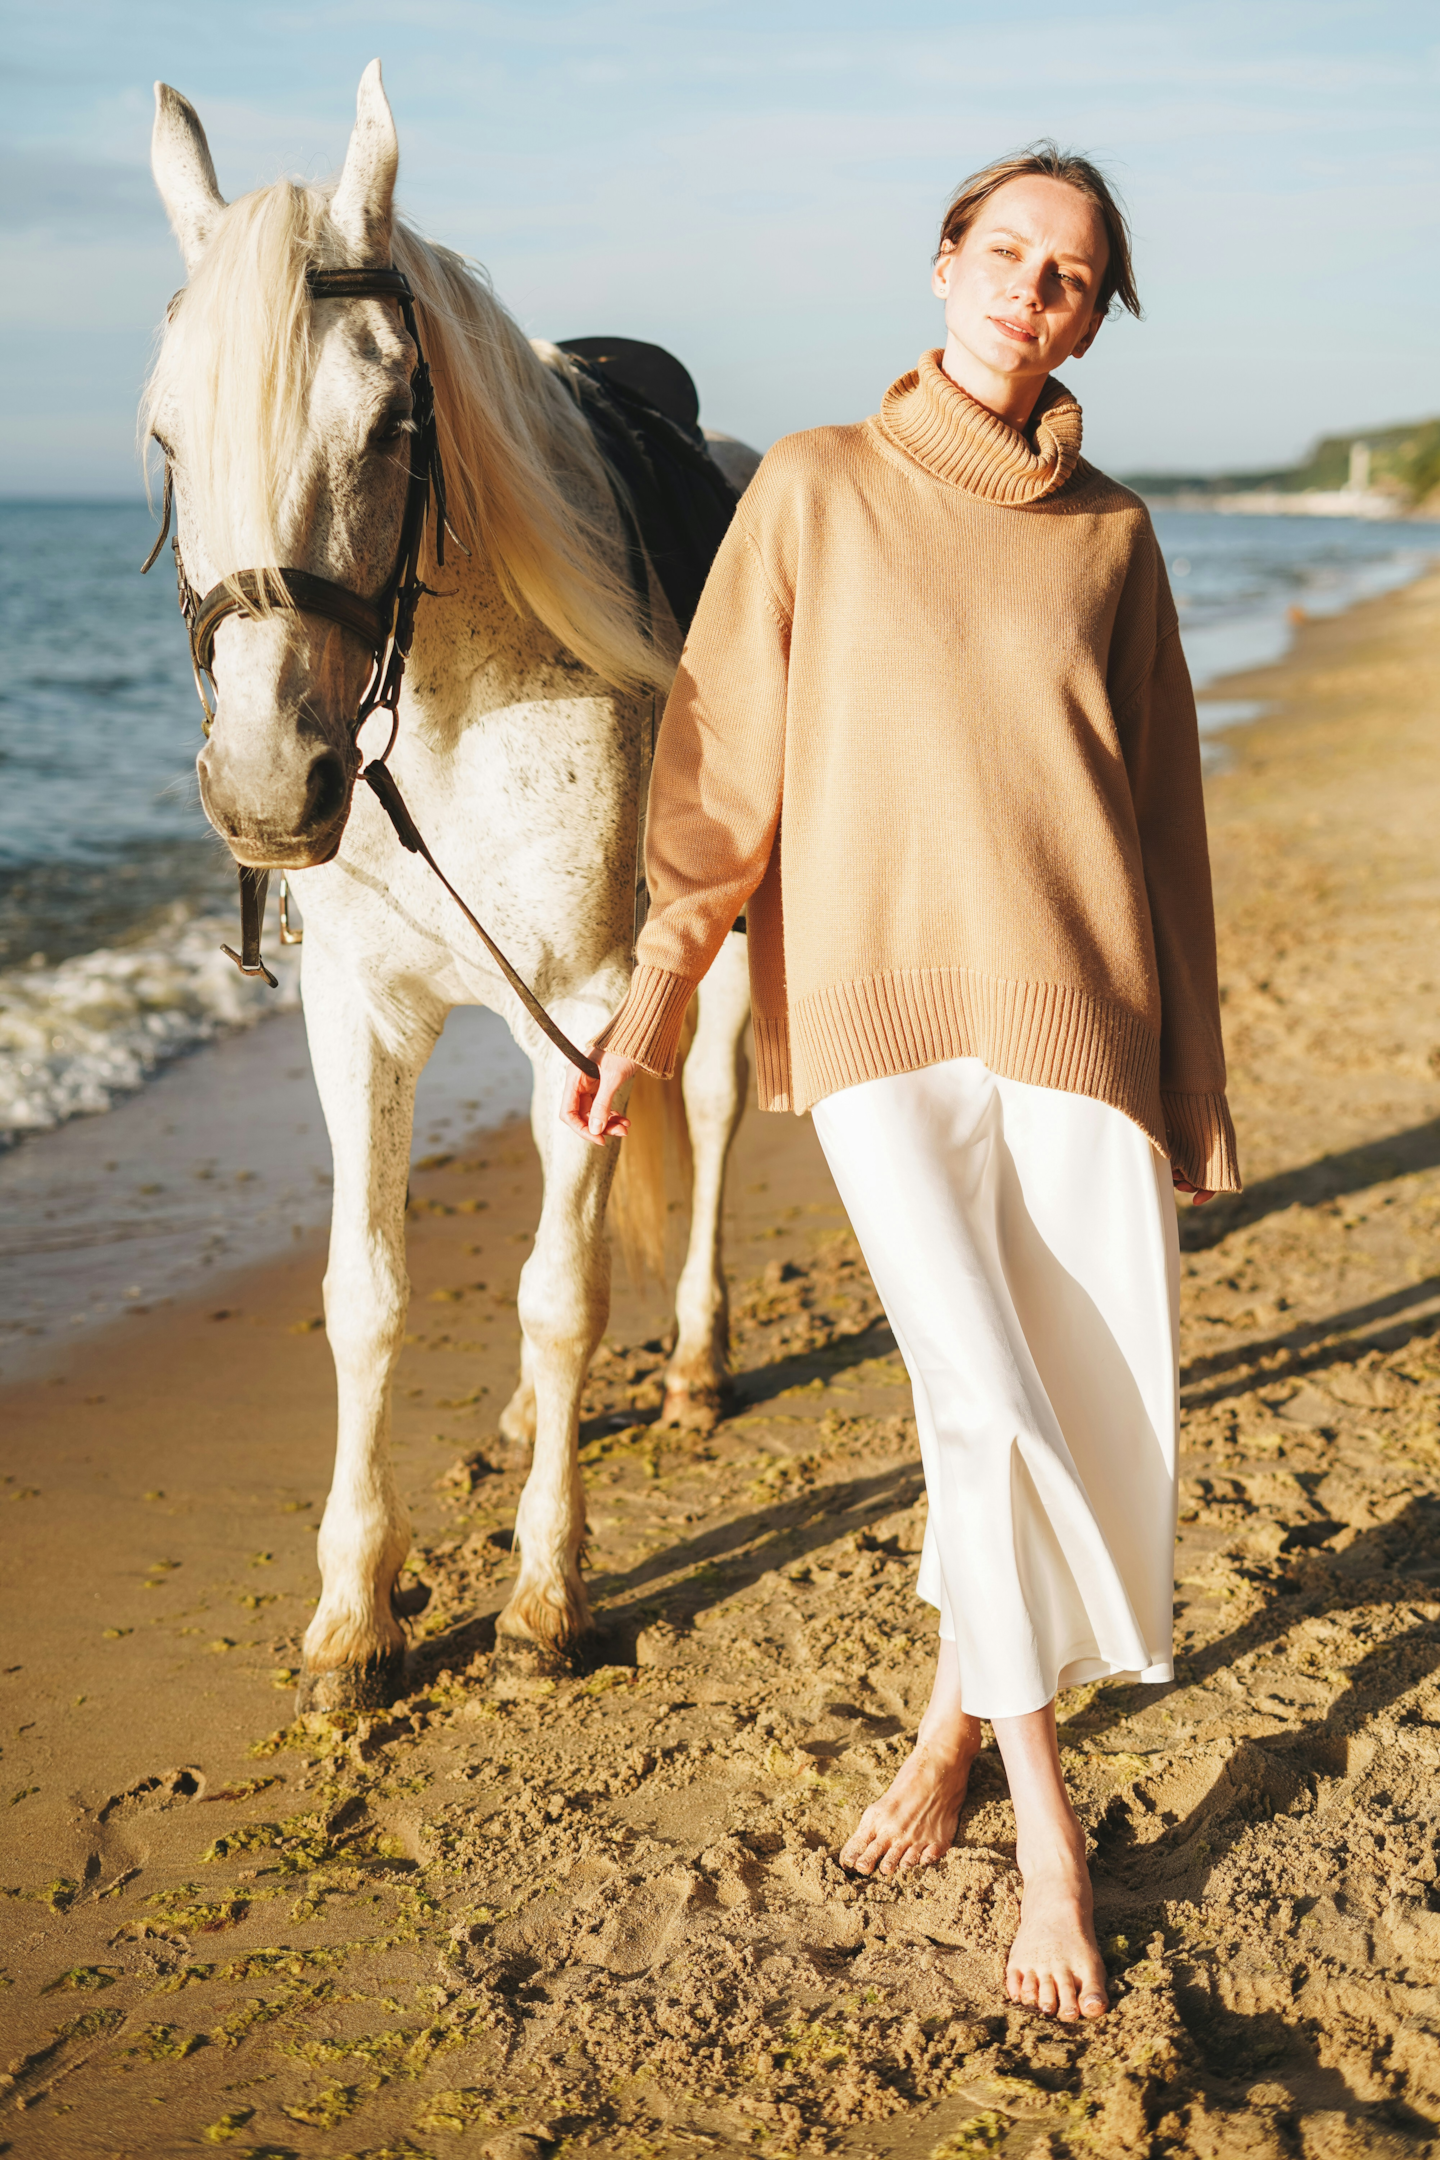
{"points": [[1324, 503]]}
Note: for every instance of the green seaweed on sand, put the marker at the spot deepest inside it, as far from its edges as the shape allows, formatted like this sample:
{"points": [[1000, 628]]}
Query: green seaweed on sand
{"points": [[166, 2043], [228, 2126], [82, 1977], [329, 2108]]}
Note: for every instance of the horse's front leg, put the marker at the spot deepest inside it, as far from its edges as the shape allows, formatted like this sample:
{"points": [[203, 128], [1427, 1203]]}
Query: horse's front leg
{"points": [[564, 1303], [355, 1645], [715, 1078]]}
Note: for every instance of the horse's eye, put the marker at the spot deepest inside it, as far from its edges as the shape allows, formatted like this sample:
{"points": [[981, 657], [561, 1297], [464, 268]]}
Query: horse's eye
{"points": [[393, 425]]}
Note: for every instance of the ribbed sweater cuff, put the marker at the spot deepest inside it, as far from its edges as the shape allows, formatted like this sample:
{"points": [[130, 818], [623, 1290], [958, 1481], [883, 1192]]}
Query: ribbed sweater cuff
{"points": [[1202, 1140], [646, 1029]]}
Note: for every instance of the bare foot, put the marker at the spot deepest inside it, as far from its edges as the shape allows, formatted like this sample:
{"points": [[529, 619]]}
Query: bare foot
{"points": [[914, 1824], [1055, 1964]]}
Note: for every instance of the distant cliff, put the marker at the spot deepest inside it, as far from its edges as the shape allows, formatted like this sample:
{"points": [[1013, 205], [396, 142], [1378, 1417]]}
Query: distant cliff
{"points": [[1402, 463]]}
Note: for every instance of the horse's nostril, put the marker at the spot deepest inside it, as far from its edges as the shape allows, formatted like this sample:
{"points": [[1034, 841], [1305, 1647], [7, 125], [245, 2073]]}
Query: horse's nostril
{"points": [[325, 793]]}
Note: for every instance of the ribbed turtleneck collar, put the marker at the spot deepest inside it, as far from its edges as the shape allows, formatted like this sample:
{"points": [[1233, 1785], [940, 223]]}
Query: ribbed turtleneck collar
{"points": [[944, 429]]}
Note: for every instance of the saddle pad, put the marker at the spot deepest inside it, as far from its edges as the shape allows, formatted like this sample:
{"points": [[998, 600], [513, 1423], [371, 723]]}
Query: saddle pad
{"points": [[681, 501]]}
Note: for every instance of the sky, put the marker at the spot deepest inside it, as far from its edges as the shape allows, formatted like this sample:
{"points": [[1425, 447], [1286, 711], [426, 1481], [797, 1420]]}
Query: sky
{"points": [[758, 186]]}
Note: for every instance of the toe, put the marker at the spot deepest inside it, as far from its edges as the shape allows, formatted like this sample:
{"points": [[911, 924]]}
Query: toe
{"points": [[1093, 2005], [1068, 2008], [857, 1841], [859, 1853], [1048, 1996]]}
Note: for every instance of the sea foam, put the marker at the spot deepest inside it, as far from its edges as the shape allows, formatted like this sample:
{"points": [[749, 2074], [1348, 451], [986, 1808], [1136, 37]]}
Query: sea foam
{"points": [[75, 1037]]}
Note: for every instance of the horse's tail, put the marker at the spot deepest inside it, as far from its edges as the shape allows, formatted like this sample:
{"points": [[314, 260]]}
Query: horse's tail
{"points": [[637, 1199]]}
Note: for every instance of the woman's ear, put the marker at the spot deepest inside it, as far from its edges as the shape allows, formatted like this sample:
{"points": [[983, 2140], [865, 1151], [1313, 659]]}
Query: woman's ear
{"points": [[1096, 320], [940, 275]]}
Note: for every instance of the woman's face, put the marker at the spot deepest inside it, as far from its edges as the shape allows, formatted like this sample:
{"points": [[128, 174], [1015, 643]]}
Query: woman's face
{"points": [[1021, 288]]}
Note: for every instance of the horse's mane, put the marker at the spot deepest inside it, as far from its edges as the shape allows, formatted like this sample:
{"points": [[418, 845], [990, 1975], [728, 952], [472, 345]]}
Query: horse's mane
{"points": [[526, 485]]}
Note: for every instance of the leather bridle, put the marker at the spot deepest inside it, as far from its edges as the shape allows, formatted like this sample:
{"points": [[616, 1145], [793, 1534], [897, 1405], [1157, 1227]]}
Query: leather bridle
{"points": [[386, 627]]}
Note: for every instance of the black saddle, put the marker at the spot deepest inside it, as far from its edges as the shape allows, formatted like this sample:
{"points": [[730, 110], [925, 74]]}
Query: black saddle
{"points": [[644, 411]]}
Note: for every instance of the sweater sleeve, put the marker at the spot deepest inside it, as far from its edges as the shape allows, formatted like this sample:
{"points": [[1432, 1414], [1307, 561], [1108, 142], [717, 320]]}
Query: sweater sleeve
{"points": [[1162, 753], [714, 798]]}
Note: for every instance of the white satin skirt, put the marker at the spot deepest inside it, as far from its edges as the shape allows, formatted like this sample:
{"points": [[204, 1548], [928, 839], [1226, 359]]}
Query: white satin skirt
{"points": [[1023, 1243]]}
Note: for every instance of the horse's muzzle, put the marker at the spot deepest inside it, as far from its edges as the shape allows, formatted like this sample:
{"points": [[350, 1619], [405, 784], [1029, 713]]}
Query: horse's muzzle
{"points": [[302, 822]]}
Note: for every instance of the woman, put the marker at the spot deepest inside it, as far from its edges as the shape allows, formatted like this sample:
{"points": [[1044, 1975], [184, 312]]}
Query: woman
{"points": [[933, 731]]}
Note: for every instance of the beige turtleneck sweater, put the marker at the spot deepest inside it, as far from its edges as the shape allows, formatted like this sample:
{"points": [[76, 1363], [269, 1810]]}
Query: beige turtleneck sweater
{"points": [[932, 728]]}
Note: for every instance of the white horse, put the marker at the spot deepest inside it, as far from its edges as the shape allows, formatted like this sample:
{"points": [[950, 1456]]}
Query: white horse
{"points": [[527, 705]]}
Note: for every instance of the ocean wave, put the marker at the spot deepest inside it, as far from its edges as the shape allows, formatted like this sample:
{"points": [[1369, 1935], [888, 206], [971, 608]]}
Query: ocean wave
{"points": [[75, 1037]]}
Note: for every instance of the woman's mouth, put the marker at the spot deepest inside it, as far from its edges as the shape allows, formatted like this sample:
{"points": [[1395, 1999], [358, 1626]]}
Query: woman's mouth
{"points": [[1014, 330]]}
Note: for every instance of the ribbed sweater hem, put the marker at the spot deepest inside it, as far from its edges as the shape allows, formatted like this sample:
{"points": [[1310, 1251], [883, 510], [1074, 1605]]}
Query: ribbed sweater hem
{"points": [[1049, 1034], [772, 1062]]}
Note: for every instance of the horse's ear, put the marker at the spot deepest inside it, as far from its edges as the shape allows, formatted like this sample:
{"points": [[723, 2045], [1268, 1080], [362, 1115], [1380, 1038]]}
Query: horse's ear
{"points": [[363, 203], [184, 173]]}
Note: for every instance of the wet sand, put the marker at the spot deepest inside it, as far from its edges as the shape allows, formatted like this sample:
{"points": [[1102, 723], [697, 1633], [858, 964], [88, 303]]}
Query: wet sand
{"points": [[601, 1914]]}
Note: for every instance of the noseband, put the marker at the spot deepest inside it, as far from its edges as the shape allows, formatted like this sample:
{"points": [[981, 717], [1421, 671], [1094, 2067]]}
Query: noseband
{"points": [[386, 627]]}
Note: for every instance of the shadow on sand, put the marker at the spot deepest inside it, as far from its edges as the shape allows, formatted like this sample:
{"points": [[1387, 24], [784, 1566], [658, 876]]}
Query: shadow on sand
{"points": [[1327, 1178]]}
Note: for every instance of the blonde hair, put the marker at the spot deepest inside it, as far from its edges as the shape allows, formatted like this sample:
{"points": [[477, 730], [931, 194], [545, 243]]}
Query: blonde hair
{"points": [[1047, 161], [527, 487]]}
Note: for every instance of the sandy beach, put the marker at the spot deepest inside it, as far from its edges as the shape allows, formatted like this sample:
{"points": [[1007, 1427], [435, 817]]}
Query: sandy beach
{"points": [[522, 1917]]}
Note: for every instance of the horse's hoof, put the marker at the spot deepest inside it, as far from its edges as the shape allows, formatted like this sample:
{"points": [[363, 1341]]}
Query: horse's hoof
{"points": [[520, 1667], [696, 1409], [371, 1686]]}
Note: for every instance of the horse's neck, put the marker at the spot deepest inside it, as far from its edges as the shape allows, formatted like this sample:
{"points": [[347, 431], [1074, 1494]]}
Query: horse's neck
{"points": [[474, 652]]}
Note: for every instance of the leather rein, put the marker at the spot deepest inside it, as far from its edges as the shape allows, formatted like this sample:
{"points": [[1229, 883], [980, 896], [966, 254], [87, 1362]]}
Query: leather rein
{"points": [[386, 627]]}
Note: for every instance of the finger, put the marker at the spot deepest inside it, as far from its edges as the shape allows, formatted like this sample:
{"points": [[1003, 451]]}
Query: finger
{"points": [[599, 1112], [615, 1127], [1200, 1197], [575, 1107], [600, 1105]]}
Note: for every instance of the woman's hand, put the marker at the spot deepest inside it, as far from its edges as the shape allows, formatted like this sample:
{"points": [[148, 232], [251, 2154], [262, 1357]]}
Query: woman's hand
{"points": [[1182, 1184], [586, 1105]]}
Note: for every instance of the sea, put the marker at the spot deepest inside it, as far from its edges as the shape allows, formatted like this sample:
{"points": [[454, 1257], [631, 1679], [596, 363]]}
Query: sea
{"points": [[115, 898]]}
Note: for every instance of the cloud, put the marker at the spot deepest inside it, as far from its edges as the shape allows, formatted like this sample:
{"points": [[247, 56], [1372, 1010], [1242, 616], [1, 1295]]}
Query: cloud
{"points": [[756, 185]]}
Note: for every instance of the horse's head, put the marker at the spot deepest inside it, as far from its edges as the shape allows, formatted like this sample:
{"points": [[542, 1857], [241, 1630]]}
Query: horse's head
{"points": [[286, 421]]}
